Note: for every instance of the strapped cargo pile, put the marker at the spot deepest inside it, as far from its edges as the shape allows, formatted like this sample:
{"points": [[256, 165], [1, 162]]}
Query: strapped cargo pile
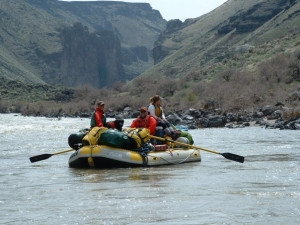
{"points": [[109, 148]]}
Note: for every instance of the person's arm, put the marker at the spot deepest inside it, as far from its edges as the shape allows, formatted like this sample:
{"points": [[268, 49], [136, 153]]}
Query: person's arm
{"points": [[98, 119], [110, 124], [152, 125], [162, 114], [133, 124]]}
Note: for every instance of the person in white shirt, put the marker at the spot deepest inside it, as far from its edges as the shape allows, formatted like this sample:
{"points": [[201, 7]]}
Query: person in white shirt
{"points": [[157, 112]]}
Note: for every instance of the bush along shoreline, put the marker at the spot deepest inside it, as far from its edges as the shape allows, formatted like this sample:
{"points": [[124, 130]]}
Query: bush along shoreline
{"points": [[269, 117], [186, 102]]}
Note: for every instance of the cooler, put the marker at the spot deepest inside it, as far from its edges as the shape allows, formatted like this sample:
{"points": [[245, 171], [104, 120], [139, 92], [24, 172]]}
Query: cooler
{"points": [[159, 133]]}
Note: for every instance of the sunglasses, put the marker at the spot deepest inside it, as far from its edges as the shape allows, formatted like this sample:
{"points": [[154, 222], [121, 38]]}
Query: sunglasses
{"points": [[143, 111]]}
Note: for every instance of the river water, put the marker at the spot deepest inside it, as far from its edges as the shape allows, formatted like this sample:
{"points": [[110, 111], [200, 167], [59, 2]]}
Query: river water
{"points": [[263, 190]]}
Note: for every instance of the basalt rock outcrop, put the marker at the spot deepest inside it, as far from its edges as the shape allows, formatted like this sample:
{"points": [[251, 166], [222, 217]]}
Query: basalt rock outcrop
{"points": [[88, 58], [92, 43], [256, 16]]}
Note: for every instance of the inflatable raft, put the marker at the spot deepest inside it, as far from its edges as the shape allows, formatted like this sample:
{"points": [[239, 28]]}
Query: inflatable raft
{"points": [[102, 156], [107, 148]]}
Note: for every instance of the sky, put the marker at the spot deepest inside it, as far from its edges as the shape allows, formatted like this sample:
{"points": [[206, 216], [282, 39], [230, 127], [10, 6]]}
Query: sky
{"points": [[180, 9]]}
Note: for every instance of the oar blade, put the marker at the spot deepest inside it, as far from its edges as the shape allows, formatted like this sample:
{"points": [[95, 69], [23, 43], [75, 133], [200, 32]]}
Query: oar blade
{"points": [[40, 157], [233, 157]]}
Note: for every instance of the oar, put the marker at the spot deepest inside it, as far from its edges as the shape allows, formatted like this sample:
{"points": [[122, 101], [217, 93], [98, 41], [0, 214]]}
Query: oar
{"points": [[226, 155], [46, 156]]}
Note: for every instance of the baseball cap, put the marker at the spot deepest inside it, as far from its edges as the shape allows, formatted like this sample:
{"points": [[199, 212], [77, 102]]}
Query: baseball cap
{"points": [[144, 109], [100, 103]]}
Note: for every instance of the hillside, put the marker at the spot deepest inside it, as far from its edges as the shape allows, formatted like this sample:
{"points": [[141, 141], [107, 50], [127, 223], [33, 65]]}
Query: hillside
{"points": [[75, 43], [241, 56], [198, 44], [238, 58]]}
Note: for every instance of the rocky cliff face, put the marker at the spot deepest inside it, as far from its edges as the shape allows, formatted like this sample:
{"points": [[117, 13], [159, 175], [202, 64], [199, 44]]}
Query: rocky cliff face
{"points": [[76, 43], [88, 58], [251, 19], [160, 51]]}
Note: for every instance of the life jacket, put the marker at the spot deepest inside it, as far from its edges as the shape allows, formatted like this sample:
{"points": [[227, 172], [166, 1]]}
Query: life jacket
{"points": [[93, 121], [148, 122], [158, 111], [142, 122]]}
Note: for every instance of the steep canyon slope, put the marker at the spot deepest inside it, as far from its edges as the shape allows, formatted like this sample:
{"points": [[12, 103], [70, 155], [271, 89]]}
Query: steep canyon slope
{"points": [[75, 43], [236, 26]]}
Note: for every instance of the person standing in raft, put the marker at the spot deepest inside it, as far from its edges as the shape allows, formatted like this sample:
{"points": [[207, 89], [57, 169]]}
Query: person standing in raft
{"points": [[98, 117], [157, 112], [144, 121]]}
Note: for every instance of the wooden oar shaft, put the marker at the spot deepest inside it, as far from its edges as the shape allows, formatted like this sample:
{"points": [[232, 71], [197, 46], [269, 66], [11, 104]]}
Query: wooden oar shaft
{"points": [[46, 156], [57, 153], [184, 144], [228, 155]]}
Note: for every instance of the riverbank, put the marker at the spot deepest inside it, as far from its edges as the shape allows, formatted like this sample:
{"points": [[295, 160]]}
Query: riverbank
{"points": [[271, 117], [255, 124]]}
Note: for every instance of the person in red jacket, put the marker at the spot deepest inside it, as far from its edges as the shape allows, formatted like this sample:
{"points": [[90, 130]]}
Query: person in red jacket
{"points": [[144, 121], [98, 117]]}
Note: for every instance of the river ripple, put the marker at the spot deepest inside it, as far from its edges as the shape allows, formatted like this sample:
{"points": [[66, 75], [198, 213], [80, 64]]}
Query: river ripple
{"points": [[263, 190]]}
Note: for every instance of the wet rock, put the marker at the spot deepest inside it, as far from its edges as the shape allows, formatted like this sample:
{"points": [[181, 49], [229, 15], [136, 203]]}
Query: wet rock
{"points": [[268, 110], [174, 118]]}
